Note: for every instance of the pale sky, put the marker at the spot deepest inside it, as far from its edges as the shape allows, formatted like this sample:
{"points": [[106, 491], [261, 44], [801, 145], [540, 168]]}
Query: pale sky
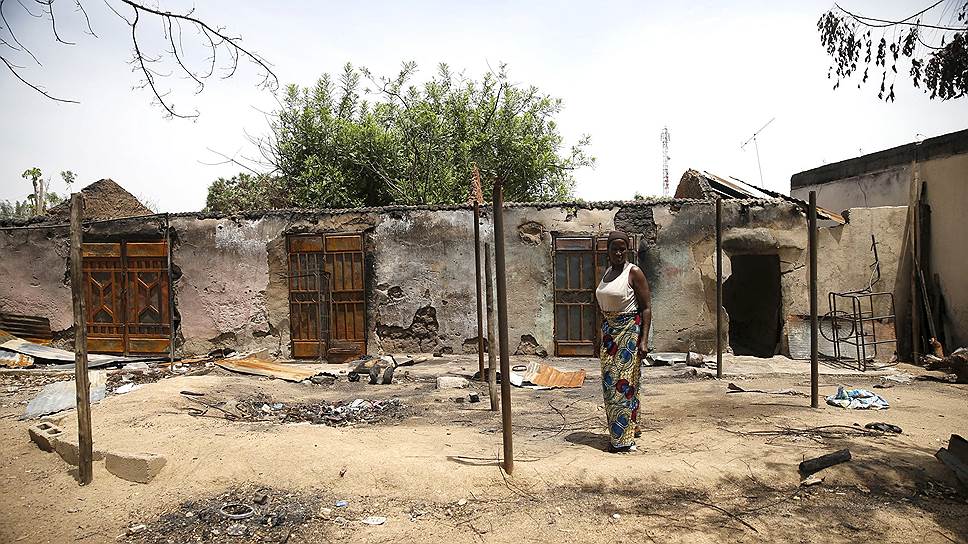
{"points": [[713, 72]]}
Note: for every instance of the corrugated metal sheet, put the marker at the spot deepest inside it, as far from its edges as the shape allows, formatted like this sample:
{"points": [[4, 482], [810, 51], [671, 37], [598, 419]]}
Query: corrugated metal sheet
{"points": [[12, 359], [259, 367], [549, 376], [26, 326]]}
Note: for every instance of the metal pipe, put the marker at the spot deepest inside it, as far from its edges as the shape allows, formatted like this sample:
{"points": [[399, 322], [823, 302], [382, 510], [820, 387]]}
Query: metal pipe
{"points": [[477, 273], [502, 324], [491, 358], [812, 243], [85, 467], [719, 287]]}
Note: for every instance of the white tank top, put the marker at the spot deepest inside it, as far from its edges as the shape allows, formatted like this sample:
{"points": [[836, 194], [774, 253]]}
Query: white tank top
{"points": [[617, 296]]}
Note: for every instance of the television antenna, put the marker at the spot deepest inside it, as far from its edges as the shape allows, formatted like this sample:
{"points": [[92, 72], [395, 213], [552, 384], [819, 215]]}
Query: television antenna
{"points": [[757, 147]]}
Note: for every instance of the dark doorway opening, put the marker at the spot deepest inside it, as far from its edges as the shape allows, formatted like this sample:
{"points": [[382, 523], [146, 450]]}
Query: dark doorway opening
{"points": [[751, 297]]}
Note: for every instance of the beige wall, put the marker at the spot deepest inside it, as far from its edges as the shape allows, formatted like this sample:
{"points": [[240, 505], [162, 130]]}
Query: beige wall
{"points": [[946, 192]]}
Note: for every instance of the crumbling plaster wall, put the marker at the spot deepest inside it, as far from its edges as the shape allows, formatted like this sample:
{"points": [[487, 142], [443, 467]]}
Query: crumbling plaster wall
{"points": [[221, 293], [887, 187], [33, 274]]}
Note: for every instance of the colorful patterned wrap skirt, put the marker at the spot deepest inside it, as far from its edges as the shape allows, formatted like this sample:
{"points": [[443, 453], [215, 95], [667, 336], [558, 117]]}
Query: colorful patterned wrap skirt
{"points": [[621, 374]]}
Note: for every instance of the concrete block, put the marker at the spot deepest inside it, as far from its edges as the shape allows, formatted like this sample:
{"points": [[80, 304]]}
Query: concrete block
{"points": [[43, 434], [452, 382], [134, 467], [68, 449]]}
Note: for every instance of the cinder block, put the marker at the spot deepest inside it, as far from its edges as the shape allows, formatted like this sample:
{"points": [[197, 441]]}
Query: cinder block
{"points": [[43, 434], [70, 452], [134, 467]]}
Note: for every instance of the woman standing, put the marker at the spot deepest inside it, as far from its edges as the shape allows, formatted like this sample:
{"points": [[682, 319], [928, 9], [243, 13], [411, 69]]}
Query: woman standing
{"points": [[626, 303]]}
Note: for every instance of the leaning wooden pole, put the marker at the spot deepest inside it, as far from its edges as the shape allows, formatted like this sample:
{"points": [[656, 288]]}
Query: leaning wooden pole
{"points": [[719, 288], [477, 274], [491, 341], [814, 329], [84, 439], [502, 324]]}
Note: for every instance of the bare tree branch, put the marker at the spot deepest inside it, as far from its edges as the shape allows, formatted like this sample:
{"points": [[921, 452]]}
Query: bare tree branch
{"points": [[14, 36], [53, 20], [87, 19], [229, 160], [35, 87]]}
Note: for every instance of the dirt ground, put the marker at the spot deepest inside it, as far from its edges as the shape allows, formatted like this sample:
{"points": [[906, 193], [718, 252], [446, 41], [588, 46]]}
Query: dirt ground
{"points": [[432, 468]]}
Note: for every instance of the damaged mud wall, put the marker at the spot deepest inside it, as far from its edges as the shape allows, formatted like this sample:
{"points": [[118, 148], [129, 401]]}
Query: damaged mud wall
{"points": [[34, 279], [423, 284]]}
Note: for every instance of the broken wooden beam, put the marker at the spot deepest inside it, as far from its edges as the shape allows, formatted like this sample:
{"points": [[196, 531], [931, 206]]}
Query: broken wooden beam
{"points": [[824, 461]]}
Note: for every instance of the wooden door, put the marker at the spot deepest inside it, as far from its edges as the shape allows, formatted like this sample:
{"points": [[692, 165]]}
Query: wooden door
{"points": [[309, 302], [579, 264], [127, 294], [327, 317]]}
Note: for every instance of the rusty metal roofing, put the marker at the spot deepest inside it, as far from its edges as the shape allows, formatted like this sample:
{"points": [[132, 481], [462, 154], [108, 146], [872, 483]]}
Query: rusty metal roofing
{"points": [[549, 376], [258, 367]]}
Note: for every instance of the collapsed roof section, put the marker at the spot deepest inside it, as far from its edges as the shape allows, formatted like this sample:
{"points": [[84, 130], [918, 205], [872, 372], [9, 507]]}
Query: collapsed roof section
{"points": [[103, 200], [707, 186]]}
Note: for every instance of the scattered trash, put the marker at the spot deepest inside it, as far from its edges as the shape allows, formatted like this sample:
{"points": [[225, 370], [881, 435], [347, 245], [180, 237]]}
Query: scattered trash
{"points": [[474, 397], [342, 472], [237, 511], [549, 376], [12, 359], [883, 427], [260, 497], [819, 463], [857, 399], [236, 529], [324, 379], [956, 363], [60, 396], [342, 504], [374, 520], [811, 481], [127, 388], [451, 382], [135, 367], [733, 388], [353, 377], [135, 529], [337, 414]]}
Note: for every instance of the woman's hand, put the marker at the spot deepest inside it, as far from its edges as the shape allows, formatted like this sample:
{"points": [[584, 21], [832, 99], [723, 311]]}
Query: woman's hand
{"points": [[643, 348]]}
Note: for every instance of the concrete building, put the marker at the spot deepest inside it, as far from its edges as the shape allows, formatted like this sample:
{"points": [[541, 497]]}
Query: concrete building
{"points": [[933, 173], [402, 279]]}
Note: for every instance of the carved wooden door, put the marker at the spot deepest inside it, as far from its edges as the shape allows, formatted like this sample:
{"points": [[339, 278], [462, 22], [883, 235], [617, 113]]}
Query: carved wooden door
{"points": [[127, 296]]}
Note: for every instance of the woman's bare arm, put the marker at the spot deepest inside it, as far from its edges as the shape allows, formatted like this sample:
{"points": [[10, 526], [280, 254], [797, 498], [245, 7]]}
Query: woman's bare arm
{"points": [[643, 295]]}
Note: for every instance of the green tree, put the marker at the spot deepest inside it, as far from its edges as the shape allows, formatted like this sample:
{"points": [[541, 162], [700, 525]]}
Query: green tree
{"points": [[410, 144], [37, 202], [937, 53]]}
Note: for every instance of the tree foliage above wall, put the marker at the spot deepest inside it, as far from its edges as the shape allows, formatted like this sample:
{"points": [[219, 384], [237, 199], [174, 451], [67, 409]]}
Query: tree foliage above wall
{"points": [[934, 41], [338, 144]]}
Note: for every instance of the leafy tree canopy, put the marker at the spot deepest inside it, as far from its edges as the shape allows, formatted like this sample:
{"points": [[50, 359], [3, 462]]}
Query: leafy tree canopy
{"points": [[398, 142], [932, 40]]}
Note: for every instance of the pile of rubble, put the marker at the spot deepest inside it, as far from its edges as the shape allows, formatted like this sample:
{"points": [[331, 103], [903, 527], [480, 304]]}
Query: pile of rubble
{"points": [[248, 514], [337, 414]]}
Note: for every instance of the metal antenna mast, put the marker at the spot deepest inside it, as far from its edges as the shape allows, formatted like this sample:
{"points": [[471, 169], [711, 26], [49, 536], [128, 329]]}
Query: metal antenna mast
{"points": [[665, 161], [757, 147]]}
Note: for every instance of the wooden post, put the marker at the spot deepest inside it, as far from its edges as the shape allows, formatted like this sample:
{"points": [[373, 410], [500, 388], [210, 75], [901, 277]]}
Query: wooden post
{"points": [[915, 295], [477, 273], [171, 292], [81, 379], [719, 288], [502, 324], [812, 243], [491, 341]]}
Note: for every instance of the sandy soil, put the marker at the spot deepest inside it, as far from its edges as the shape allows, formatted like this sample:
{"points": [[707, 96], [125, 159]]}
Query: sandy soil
{"points": [[433, 471]]}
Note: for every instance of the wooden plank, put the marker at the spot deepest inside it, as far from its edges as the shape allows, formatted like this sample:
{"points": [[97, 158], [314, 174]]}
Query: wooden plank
{"points": [[146, 249], [305, 243], [111, 344], [338, 243], [148, 345], [101, 250], [85, 439], [583, 243]]}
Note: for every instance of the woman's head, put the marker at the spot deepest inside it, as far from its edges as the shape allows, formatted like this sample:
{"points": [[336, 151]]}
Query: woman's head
{"points": [[618, 246]]}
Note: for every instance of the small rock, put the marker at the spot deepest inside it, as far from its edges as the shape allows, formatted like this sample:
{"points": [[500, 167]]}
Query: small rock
{"points": [[277, 406], [375, 520], [616, 516], [326, 513], [266, 408], [260, 497], [135, 529], [462, 502]]}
